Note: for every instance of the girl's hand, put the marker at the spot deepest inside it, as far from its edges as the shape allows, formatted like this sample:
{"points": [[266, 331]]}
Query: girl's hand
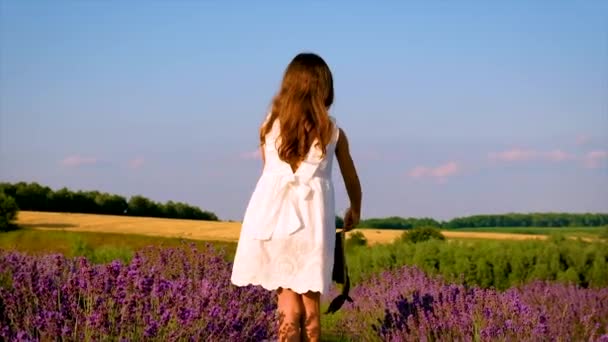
{"points": [[351, 219]]}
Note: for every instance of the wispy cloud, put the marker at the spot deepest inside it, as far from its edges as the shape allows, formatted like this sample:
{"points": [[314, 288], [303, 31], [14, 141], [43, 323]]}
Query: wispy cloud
{"points": [[418, 172], [513, 155], [520, 155], [558, 155], [593, 159], [77, 161], [136, 163], [439, 173], [251, 155], [583, 139]]}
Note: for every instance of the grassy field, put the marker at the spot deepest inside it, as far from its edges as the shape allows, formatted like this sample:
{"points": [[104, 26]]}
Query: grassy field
{"points": [[586, 232], [68, 242], [227, 231]]}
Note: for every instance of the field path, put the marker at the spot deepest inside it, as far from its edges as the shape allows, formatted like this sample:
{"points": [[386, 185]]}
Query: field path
{"points": [[200, 230]]}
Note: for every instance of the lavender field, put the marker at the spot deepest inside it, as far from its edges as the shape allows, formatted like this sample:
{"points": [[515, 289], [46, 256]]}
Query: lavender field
{"points": [[163, 294], [167, 294], [408, 305]]}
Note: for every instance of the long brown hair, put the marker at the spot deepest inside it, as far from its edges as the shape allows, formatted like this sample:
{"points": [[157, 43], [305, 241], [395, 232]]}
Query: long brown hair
{"points": [[301, 105]]}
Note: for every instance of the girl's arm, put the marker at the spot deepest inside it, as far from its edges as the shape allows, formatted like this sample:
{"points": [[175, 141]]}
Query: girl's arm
{"points": [[351, 181]]}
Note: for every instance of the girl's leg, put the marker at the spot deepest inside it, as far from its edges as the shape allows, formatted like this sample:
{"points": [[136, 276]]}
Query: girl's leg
{"points": [[311, 319], [290, 312]]}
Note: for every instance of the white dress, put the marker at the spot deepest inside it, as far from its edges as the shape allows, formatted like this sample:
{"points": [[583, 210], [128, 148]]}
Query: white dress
{"points": [[288, 235]]}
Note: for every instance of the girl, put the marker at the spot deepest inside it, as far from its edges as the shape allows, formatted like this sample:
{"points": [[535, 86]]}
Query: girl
{"points": [[288, 233]]}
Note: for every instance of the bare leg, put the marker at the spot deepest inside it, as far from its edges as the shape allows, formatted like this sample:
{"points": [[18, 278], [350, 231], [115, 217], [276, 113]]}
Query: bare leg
{"points": [[290, 309], [311, 319]]}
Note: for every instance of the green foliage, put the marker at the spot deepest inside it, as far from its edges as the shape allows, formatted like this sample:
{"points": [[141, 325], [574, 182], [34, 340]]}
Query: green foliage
{"points": [[395, 222], [590, 232], [422, 234], [183, 210], [355, 239], [8, 211], [498, 264], [6, 279], [101, 246], [529, 220], [604, 233], [102, 254], [32, 196], [141, 206], [488, 221]]}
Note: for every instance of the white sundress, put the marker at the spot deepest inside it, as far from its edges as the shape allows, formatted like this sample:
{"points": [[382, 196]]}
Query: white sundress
{"points": [[288, 235]]}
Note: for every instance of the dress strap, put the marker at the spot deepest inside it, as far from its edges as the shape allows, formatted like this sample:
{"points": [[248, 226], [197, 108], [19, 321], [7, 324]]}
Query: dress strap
{"points": [[336, 131]]}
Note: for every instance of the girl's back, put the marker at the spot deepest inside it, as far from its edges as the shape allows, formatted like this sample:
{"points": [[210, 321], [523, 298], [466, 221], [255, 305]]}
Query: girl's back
{"points": [[322, 164]]}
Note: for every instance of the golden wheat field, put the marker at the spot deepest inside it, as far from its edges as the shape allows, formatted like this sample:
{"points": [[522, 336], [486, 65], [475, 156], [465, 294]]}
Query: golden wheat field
{"points": [[200, 230]]}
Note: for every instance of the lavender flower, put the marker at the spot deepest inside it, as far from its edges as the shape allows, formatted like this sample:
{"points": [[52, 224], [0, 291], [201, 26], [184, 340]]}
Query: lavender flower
{"points": [[163, 294]]}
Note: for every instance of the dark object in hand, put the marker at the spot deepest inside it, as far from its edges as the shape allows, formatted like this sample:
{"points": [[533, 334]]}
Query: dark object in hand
{"points": [[337, 303], [340, 275], [339, 270]]}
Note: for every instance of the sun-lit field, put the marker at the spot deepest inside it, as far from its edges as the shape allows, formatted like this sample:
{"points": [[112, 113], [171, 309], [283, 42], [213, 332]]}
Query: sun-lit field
{"points": [[190, 229], [203, 230], [388, 235]]}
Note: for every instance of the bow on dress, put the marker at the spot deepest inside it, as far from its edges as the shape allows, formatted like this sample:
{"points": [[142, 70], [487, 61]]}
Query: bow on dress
{"points": [[284, 217]]}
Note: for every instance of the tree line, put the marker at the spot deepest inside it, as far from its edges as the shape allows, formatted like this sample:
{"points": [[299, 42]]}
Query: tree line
{"points": [[33, 196], [497, 220]]}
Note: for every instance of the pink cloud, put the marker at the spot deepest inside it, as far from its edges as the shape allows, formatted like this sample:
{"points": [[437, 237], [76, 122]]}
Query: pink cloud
{"points": [[445, 170], [439, 173], [251, 155], [520, 155], [583, 139], [419, 171], [77, 161], [593, 159], [558, 155], [136, 163], [515, 154]]}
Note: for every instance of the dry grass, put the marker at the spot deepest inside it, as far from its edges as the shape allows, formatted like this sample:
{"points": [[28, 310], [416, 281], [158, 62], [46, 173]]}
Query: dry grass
{"points": [[189, 229], [375, 236], [201, 230]]}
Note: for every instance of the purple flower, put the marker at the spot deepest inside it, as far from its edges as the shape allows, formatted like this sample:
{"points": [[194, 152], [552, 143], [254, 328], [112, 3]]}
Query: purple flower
{"points": [[159, 294], [151, 329], [393, 305]]}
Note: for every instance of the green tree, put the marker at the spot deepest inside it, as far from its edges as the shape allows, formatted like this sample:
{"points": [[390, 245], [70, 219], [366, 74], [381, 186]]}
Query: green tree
{"points": [[8, 211], [61, 200], [170, 210], [422, 234], [141, 206], [32, 196], [355, 239], [110, 204]]}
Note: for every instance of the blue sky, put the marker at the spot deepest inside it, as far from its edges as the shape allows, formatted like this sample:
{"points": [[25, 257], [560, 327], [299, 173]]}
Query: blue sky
{"points": [[451, 108]]}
